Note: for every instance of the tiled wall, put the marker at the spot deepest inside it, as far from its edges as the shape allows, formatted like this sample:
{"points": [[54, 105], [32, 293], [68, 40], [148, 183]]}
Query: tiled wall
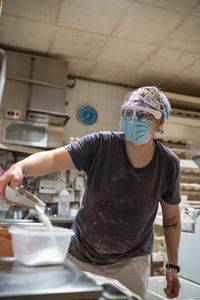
{"points": [[105, 98]]}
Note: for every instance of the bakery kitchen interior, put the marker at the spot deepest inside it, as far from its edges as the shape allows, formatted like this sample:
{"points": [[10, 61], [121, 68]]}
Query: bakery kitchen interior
{"points": [[65, 68]]}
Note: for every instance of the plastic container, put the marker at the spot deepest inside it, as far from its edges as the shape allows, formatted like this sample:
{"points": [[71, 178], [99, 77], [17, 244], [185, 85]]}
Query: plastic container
{"points": [[63, 204], [36, 245], [188, 291]]}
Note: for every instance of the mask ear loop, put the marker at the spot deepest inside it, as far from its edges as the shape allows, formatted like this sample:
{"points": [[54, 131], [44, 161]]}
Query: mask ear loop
{"points": [[161, 130]]}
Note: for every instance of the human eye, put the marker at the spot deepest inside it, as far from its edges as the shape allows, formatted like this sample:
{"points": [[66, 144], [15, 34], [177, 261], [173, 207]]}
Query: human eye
{"points": [[127, 114], [142, 116]]}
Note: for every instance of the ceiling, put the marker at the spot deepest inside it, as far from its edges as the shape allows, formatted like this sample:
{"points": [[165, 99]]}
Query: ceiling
{"points": [[128, 42]]}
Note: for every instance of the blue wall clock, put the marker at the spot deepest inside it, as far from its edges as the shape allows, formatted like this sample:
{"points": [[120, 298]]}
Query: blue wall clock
{"points": [[87, 115]]}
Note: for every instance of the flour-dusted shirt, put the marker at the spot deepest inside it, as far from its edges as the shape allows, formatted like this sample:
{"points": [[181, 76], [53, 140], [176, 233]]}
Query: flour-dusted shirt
{"points": [[120, 202]]}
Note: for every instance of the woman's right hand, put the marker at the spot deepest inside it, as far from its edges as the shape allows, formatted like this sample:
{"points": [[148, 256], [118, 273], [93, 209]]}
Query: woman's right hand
{"points": [[13, 177]]}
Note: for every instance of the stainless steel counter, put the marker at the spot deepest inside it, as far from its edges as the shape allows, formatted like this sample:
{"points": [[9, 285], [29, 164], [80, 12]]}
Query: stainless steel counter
{"points": [[54, 220], [45, 282], [57, 219], [9, 222]]}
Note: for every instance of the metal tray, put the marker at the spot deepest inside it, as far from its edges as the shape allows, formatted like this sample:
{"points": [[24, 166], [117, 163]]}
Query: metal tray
{"points": [[47, 282]]}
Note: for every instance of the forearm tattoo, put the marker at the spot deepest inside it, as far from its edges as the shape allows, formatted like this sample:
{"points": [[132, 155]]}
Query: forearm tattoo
{"points": [[170, 226], [25, 172]]}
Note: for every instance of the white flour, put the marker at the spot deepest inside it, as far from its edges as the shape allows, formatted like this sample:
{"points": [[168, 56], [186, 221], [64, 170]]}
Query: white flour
{"points": [[43, 218], [46, 256]]}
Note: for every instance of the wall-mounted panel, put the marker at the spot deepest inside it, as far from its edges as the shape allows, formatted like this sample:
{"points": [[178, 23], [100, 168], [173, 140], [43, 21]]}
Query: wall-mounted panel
{"points": [[47, 98], [15, 95], [18, 65], [51, 71]]}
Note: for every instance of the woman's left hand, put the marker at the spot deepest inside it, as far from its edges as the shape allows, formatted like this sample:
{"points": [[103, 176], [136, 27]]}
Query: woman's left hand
{"points": [[173, 284]]}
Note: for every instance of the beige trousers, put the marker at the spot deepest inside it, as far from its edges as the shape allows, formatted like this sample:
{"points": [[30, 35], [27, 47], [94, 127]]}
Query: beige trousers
{"points": [[132, 273]]}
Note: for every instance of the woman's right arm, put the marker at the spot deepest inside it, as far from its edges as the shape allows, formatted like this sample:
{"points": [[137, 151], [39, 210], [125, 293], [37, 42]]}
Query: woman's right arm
{"points": [[37, 164]]}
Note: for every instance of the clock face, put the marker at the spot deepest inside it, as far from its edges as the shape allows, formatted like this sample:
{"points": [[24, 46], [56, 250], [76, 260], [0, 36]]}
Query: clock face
{"points": [[87, 115]]}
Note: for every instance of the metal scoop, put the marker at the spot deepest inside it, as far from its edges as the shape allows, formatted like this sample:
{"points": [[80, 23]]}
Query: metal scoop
{"points": [[23, 197]]}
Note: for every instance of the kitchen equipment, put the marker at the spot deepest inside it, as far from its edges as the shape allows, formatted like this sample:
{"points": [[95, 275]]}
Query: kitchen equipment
{"points": [[23, 197], [58, 282], [33, 105], [113, 289], [196, 159], [35, 246], [189, 250], [8, 222], [48, 185], [38, 129], [188, 291]]}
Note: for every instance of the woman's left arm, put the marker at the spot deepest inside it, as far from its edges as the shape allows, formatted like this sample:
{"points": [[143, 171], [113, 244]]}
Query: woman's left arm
{"points": [[172, 232]]}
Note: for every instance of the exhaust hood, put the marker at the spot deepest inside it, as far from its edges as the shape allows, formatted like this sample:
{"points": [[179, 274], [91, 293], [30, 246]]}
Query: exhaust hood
{"points": [[33, 104]]}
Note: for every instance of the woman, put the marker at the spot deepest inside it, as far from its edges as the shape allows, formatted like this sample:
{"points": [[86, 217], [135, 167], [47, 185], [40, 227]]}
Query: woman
{"points": [[128, 174]]}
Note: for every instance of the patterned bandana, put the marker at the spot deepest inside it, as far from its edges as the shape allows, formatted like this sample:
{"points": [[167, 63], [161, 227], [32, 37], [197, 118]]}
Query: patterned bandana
{"points": [[149, 95]]}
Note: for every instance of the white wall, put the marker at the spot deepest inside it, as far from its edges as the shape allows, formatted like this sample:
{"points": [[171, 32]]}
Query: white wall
{"points": [[187, 129], [105, 98]]}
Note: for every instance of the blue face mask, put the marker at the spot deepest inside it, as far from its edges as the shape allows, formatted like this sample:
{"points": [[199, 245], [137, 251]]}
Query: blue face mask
{"points": [[137, 132]]}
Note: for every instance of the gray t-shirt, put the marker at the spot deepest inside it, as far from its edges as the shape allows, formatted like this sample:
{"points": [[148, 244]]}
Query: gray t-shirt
{"points": [[115, 220]]}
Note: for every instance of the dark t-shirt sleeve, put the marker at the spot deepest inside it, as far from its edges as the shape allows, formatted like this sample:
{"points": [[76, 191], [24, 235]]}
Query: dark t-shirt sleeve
{"points": [[172, 195], [83, 151]]}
